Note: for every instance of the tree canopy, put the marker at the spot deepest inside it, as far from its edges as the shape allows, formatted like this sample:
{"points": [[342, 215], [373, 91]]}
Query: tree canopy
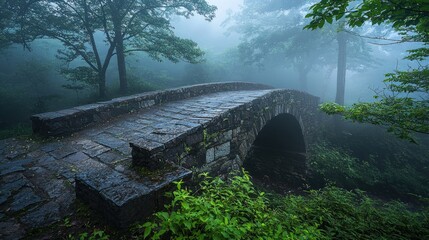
{"points": [[12, 23], [124, 26], [146, 26], [403, 106], [272, 34]]}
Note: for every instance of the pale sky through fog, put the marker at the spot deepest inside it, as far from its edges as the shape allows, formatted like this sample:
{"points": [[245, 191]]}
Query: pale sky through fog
{"points": [[210, 35], [225, 5]]}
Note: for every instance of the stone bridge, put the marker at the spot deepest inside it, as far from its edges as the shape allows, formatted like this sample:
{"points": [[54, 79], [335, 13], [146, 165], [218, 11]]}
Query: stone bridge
{"points": [[122, 155]]}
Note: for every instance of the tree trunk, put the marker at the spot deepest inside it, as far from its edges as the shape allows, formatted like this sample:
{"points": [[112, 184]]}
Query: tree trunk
{"points": [[102, 84], [121, 63], [341, 69], [341, 78], [123, 84]]}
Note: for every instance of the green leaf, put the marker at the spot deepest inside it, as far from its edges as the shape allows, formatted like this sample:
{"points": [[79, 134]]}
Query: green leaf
{"points": [[147, 231]]}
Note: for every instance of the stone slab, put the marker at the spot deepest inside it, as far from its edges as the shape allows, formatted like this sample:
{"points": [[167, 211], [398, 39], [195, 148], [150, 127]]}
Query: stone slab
{"points": [[14, 166], [42, 216], [10, 184], [23, 199]]}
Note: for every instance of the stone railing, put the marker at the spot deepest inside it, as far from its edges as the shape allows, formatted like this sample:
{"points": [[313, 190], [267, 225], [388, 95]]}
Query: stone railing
{"points": [[74, 119]]}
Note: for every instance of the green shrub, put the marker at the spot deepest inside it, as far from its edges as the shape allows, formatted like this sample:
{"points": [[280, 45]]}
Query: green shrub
{"points": [[19, 130], [223, 210], [394, 176], [235, 210], [96, 235], [342, 214], [335, 165]]}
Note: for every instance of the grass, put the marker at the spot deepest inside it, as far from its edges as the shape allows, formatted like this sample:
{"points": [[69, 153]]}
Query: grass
{"points": [[18, 130]]}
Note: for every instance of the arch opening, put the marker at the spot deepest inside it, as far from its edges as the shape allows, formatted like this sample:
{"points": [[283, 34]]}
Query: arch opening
{"points": [[277, 156]]}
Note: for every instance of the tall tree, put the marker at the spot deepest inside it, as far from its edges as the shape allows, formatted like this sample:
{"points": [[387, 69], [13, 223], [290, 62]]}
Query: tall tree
{"points": [[342, 65], [275, 32], [137, 24], [75, 24], [272, 33], [146, 26], [404, 105]]}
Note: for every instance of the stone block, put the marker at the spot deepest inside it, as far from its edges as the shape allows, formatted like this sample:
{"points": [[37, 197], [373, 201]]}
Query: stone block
{"points": [[110, 157], [108, 140], [210, 155], [222, 150], [148, 154], [236, 132], [146, 103], [194, 138], [225, 136], [96, 151], [122, 200], [63, 151]]}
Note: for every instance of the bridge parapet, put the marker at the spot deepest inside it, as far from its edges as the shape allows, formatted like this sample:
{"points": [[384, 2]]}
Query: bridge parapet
{"points": [[74, 119]]}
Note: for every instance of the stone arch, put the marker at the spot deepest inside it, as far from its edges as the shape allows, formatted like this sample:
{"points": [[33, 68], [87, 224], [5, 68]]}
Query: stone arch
{"points": [[282, 132], [234, 133], [278, 152]]}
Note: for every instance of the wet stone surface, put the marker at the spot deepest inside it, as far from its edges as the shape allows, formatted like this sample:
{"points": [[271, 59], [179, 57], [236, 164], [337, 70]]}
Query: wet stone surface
{"points": [[11, 184], [38, 178], [13, 166], [10, 229], [24, 198]]}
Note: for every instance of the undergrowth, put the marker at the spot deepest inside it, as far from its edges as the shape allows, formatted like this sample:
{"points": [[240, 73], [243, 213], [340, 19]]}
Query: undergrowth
{"points": [[235, 210], [395, 177], [18, 130]]}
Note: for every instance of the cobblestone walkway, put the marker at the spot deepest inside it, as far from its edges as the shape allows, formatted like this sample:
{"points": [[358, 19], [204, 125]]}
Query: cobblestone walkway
{"points": [[37, 177]]}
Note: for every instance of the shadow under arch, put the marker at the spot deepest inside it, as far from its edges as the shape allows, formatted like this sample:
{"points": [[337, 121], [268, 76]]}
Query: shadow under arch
{"points": [[278, 154]]}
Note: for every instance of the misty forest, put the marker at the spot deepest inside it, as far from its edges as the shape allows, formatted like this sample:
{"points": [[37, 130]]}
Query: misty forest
{"points": [[145, 119]]}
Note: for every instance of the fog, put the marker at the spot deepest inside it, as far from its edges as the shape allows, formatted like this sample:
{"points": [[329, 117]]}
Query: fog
{"points": [[326, 176], [217, 38], [32, 80], [211, 36]]}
